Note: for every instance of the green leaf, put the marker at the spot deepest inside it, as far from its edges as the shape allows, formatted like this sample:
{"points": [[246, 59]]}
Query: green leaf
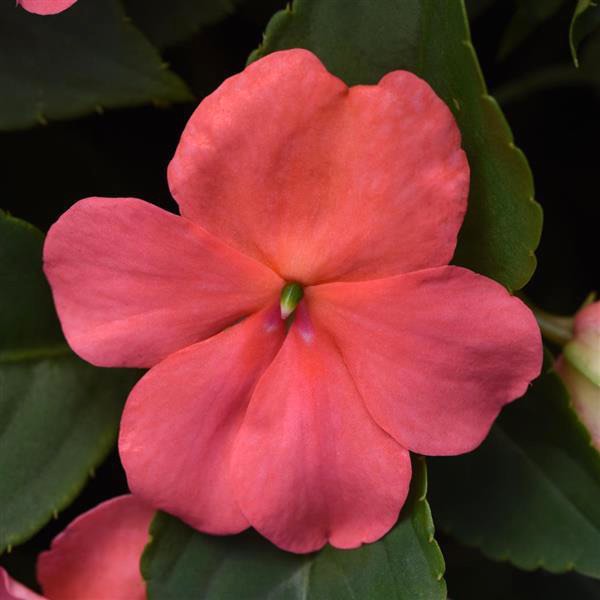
{"points": [[406, 564], [86, 59], [167, 23], [586, 18], [361, 40], [531, 493], [27, 316], [58, 415]]}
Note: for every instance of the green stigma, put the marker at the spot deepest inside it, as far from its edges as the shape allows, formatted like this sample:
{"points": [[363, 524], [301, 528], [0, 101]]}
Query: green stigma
{"points": [[291, 294]]}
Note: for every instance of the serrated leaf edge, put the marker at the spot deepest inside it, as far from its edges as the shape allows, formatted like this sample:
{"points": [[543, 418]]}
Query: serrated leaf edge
{"points": [[506, 556]]}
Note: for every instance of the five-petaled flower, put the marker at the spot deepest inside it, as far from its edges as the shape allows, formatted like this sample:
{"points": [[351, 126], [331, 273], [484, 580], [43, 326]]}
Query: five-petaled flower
{"points": [[45, 7], [287, 179], [96, 556]]}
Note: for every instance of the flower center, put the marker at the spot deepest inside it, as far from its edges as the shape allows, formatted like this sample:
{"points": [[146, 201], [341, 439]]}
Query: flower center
{"points": [[291, 294]]}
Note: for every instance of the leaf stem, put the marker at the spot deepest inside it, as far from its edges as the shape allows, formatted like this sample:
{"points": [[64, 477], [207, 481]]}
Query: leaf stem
{"points": [[557, 329]]}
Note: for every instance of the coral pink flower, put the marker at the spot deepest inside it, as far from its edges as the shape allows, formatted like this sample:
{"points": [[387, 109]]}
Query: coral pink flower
{"points": [[45, 7], [287, 179], [579, 366], [97, 556]]}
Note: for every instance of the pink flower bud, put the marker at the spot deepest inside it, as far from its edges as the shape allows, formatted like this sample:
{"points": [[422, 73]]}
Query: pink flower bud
{"points": [[579, 366]]}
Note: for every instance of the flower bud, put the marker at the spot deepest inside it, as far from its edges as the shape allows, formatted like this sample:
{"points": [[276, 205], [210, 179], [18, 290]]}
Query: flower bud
{"points": [[579, 366], [291, 295]]}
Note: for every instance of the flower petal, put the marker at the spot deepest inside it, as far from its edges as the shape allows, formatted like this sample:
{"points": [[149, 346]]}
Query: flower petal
{"points": [[133, 283], [46, 7], [435, 354], [309, 464], [13, 590], [98, 554], [180, 421], [320, 181]]}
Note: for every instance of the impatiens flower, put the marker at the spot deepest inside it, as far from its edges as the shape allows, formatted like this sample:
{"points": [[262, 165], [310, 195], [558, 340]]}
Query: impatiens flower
{"points": [[97, 556], [337, 209], [579, 366], [45, 7]]}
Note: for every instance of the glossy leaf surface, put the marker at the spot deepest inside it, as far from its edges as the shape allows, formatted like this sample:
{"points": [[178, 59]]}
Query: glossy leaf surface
{"points": [[58, 415], [531, 493], [405, 564], [83, 60]]}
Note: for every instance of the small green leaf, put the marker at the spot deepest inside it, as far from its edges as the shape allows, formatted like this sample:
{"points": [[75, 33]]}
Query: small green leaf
{"points": [[531, 493], [86, 59], [167, 23], [586, 18], [58, 415], [406, 564], [360, 41]]}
